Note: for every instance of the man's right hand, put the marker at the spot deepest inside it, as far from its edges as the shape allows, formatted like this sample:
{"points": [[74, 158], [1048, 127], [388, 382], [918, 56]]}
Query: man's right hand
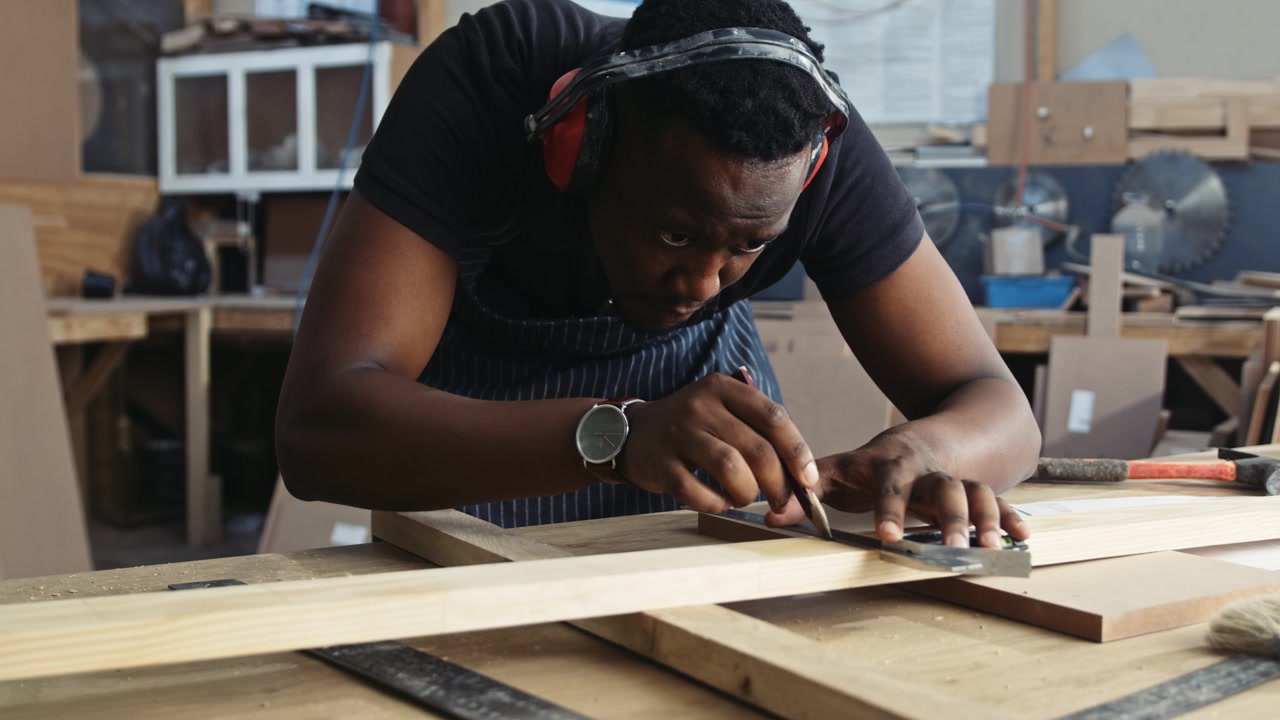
{"points": [[733, 431]]}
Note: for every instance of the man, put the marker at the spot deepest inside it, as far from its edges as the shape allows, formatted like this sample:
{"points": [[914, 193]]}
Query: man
{"points": [[485, 316]]}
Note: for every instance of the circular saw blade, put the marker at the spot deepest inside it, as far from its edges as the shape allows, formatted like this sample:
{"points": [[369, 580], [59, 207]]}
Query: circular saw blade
{"points": [[1193, 199], [937, 200], [1042, 197]]}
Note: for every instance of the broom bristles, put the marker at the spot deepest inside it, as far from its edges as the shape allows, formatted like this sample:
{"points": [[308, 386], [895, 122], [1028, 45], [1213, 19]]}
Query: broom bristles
{"points": [[1250, 626]]}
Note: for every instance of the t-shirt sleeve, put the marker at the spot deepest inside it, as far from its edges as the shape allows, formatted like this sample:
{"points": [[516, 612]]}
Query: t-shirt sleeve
{"points": [[863, 223], [450, 151]]}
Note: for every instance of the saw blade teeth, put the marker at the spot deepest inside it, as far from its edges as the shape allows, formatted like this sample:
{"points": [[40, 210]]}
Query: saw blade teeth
{"points": [[1201, 214]]}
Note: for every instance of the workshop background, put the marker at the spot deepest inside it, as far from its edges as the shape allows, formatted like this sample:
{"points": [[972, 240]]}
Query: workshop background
{"points": [[167, 166]]}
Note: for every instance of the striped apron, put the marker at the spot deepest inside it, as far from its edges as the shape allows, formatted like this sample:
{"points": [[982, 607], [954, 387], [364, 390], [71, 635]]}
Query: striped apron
{"points": [[488, 354]]}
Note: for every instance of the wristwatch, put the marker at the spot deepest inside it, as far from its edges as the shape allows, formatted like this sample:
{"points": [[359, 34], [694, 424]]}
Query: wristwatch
{"points": [[602, 433]]}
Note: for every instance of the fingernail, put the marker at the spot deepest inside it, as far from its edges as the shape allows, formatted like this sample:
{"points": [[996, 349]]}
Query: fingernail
{"points": [[956, 539], [890, 531], [991, 539], [811, 474]]}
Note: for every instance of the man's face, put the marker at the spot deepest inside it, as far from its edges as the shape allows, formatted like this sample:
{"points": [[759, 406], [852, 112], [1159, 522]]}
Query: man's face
{"points": [[675, 222]]}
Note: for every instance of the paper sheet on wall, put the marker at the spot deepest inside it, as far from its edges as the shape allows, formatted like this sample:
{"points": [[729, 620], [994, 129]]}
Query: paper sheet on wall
{"points": [[914, 61]]}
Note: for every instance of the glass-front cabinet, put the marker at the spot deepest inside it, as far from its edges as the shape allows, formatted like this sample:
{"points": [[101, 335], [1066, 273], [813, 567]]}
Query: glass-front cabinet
{"points": [[271, 120]]}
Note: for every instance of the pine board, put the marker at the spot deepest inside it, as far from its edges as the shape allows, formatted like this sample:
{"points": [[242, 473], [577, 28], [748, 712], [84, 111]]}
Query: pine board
{"points": [[117, 632]]}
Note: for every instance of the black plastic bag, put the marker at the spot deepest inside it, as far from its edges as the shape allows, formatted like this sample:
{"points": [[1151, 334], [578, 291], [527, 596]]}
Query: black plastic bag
{"points": [[168, 257]]}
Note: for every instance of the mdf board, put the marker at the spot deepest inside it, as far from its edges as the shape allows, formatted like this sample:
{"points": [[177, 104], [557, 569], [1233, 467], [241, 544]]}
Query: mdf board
{"points": [[1072, 123], [831, 399], [1104, 392], [294, 524], [42, 527], [40, 126], [1111, 599]]}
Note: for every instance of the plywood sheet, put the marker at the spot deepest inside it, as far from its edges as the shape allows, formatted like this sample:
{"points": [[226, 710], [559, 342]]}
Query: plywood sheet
{"points": [[1084, 123], [1111, 599], [40, 125], [42, 529]]}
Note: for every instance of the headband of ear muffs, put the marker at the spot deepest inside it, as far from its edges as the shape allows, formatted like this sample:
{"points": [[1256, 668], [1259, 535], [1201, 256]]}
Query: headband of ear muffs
{"points": [[576, 124]]}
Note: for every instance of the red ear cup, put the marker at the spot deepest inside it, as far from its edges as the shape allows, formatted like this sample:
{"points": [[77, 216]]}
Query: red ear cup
{"points": [[822, 155], [562, 142]]}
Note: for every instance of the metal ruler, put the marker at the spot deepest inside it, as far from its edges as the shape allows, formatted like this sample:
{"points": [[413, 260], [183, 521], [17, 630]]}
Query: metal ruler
{"points": [[426, 680], [924, 550], [1187, 692]]}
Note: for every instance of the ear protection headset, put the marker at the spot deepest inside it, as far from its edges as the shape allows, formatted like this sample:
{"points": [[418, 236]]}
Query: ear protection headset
{"points": [[576, 124]]}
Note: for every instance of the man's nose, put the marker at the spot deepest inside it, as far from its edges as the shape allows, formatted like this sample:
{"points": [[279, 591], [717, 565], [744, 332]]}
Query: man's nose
{"points": [[698, 277]]}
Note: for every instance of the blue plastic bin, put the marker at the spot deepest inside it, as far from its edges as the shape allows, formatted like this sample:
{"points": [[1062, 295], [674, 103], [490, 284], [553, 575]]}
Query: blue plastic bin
{"points": [[1012, 291]]}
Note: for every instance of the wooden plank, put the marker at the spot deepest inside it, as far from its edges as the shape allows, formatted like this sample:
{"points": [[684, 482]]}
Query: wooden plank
{"points": [[1271, 336], [1080, 598], [1234, 145], [1260, 279], [42, 525], [1214, 339], [760, 663], [1046, 40], [73, 329], [66, 636], [1262, 404], [1201, 113], [89, 223], [1216, 382], [90, 381], [269, 322], [1084, 125], [204, 491]]}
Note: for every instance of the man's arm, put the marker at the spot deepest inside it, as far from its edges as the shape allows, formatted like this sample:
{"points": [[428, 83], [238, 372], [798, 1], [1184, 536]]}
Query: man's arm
{"points": [[971, 433], [355, 427]]}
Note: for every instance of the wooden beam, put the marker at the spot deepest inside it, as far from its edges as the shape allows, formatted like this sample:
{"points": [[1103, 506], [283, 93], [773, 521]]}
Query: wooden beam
{"points": [[1046, 40], [87, 385], [67, 636], [1216, 382], [57, 637], [774, 669], [204, 492], [101, 327]]}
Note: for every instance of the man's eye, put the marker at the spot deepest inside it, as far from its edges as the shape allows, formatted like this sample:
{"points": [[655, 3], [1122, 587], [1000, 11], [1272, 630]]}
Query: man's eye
{"points": [[675, 239], [752, 247]]}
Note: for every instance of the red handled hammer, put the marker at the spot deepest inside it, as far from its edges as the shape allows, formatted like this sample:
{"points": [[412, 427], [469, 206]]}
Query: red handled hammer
{"points": [[1245, 468]]}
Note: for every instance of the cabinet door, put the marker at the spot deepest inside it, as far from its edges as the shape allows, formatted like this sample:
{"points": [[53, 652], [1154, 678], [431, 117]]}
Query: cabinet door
{"points": [[200, 127], [271, 120], [337, 94]]}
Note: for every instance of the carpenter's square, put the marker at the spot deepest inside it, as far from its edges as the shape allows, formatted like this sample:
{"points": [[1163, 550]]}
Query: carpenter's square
{"points": [[426, 680], [924, 550]]}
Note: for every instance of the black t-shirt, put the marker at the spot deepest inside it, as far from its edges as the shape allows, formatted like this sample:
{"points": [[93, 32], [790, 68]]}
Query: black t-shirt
{"points": [[451, 162]]}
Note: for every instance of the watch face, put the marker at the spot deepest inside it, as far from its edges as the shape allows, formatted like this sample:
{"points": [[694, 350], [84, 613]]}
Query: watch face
{"points": [[601, 433]]}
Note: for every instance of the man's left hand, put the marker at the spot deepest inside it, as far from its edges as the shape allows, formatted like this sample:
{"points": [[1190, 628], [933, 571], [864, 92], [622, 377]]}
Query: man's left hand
{"points": [[896, 475]]}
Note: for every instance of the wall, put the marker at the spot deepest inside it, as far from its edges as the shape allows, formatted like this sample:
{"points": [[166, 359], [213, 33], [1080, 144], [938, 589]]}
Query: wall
{"points": [[1227, 38]]}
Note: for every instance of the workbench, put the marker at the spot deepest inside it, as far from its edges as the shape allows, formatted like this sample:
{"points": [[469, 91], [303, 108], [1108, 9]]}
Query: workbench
{"points": [[116, 322], [1009, 666]]}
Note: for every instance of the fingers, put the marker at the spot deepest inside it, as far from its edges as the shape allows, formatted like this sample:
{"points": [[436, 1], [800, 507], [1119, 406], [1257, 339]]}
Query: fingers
{"points": [[687, 489], [771, 422], [1012, 521], [790, 514], [945, 498], [984, 512], [727, 465]]}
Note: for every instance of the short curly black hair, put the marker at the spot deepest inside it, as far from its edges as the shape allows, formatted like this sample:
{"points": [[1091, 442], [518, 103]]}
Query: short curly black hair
{"points": [[754, 109]]}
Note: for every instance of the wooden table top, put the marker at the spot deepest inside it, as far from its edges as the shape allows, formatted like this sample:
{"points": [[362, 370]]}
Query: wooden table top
{"points": [[1029, 671]]}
